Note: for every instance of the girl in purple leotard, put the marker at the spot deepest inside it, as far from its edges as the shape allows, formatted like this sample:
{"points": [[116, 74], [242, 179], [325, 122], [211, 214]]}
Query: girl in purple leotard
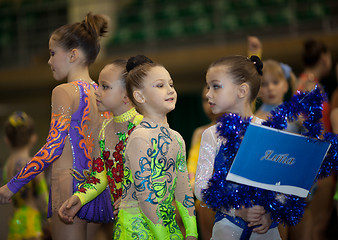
{"points": [[73, 47]]}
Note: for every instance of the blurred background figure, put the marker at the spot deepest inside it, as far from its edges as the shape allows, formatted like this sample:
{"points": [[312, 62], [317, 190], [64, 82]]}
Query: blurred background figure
{"points": [[30, 203], [334, 122], [278, 84], [317, 62], [278, 79], [334, 106]]}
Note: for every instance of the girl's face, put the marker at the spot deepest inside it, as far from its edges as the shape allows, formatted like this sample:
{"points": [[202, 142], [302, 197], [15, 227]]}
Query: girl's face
{"points": [[327, 63], [111, 95], [222, 92], [273, 88], [158, 95], [205, 104], [58, 60]]}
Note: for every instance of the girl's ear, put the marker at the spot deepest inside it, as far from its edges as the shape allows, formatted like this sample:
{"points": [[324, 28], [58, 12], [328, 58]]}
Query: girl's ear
{"points": [[73, 55], [126, 99], [243, 90], [138, 96]]}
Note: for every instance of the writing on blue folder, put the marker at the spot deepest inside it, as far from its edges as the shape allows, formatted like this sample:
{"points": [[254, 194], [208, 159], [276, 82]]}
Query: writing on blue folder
{"points": [[279, 158]]}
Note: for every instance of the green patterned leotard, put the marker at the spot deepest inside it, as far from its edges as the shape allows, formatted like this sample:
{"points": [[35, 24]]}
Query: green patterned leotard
{"points": [[155, 175]]}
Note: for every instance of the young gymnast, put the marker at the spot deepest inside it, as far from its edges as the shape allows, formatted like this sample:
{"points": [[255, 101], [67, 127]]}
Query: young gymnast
{"points": [[155, 172], [73, 48], [233, 84], [30, 203], [111, 96]]}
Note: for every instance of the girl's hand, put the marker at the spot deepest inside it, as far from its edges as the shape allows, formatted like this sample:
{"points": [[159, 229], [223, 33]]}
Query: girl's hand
{"points": [[265, 223], [5, 195], [252, 214], [117, 206], [69, 209]]}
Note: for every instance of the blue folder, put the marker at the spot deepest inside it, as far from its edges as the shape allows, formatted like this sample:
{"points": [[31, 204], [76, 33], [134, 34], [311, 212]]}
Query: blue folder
{"points": [[277, 160]]}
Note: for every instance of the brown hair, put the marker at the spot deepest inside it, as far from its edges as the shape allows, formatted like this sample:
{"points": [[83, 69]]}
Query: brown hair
{"points": [[312, 50], [137, 68], [121, 63], [19, 128], [243, 70], [84, 35]]}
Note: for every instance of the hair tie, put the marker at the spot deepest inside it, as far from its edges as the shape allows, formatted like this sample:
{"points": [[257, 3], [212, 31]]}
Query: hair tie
{"points": [[18, 118], [258, 64]]}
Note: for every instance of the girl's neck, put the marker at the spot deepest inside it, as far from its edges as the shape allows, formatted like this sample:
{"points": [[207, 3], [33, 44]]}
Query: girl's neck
{"points": [[244, 112], [268, 107], [79, 74], [161, 120], [313, 72]]}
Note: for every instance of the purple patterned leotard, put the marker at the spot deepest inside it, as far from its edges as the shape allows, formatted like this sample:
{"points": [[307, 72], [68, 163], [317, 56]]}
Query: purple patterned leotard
{"points": [[71, 135]]}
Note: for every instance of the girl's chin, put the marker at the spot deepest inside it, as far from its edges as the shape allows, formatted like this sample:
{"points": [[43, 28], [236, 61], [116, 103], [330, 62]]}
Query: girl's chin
{"points": [[58, 78], [102, 109], [215, 112], [274, 103]]}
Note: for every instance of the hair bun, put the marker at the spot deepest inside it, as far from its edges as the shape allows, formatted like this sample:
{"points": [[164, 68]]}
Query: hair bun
{"points": [[96, 24], [137, 61], [258, 64]]}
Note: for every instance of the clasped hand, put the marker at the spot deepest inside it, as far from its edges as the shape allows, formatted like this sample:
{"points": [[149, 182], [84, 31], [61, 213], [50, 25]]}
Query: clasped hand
{"points": [[255, 216], [73, 204]]}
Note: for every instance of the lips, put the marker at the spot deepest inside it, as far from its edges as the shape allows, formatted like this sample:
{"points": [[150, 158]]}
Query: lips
{"points": [[170, 99], [271, 97], [211, 104]]}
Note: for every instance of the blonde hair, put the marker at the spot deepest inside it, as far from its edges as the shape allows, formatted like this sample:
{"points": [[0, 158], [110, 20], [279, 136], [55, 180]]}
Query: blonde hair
{"points": [[274, 67]]}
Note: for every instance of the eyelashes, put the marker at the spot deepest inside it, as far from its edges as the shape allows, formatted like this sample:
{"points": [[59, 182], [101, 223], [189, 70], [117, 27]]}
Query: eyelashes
{"points": [[161, 85]]}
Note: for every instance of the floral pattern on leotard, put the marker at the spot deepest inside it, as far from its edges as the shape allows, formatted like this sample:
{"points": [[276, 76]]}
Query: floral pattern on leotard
{"points": [[107, 169]]}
